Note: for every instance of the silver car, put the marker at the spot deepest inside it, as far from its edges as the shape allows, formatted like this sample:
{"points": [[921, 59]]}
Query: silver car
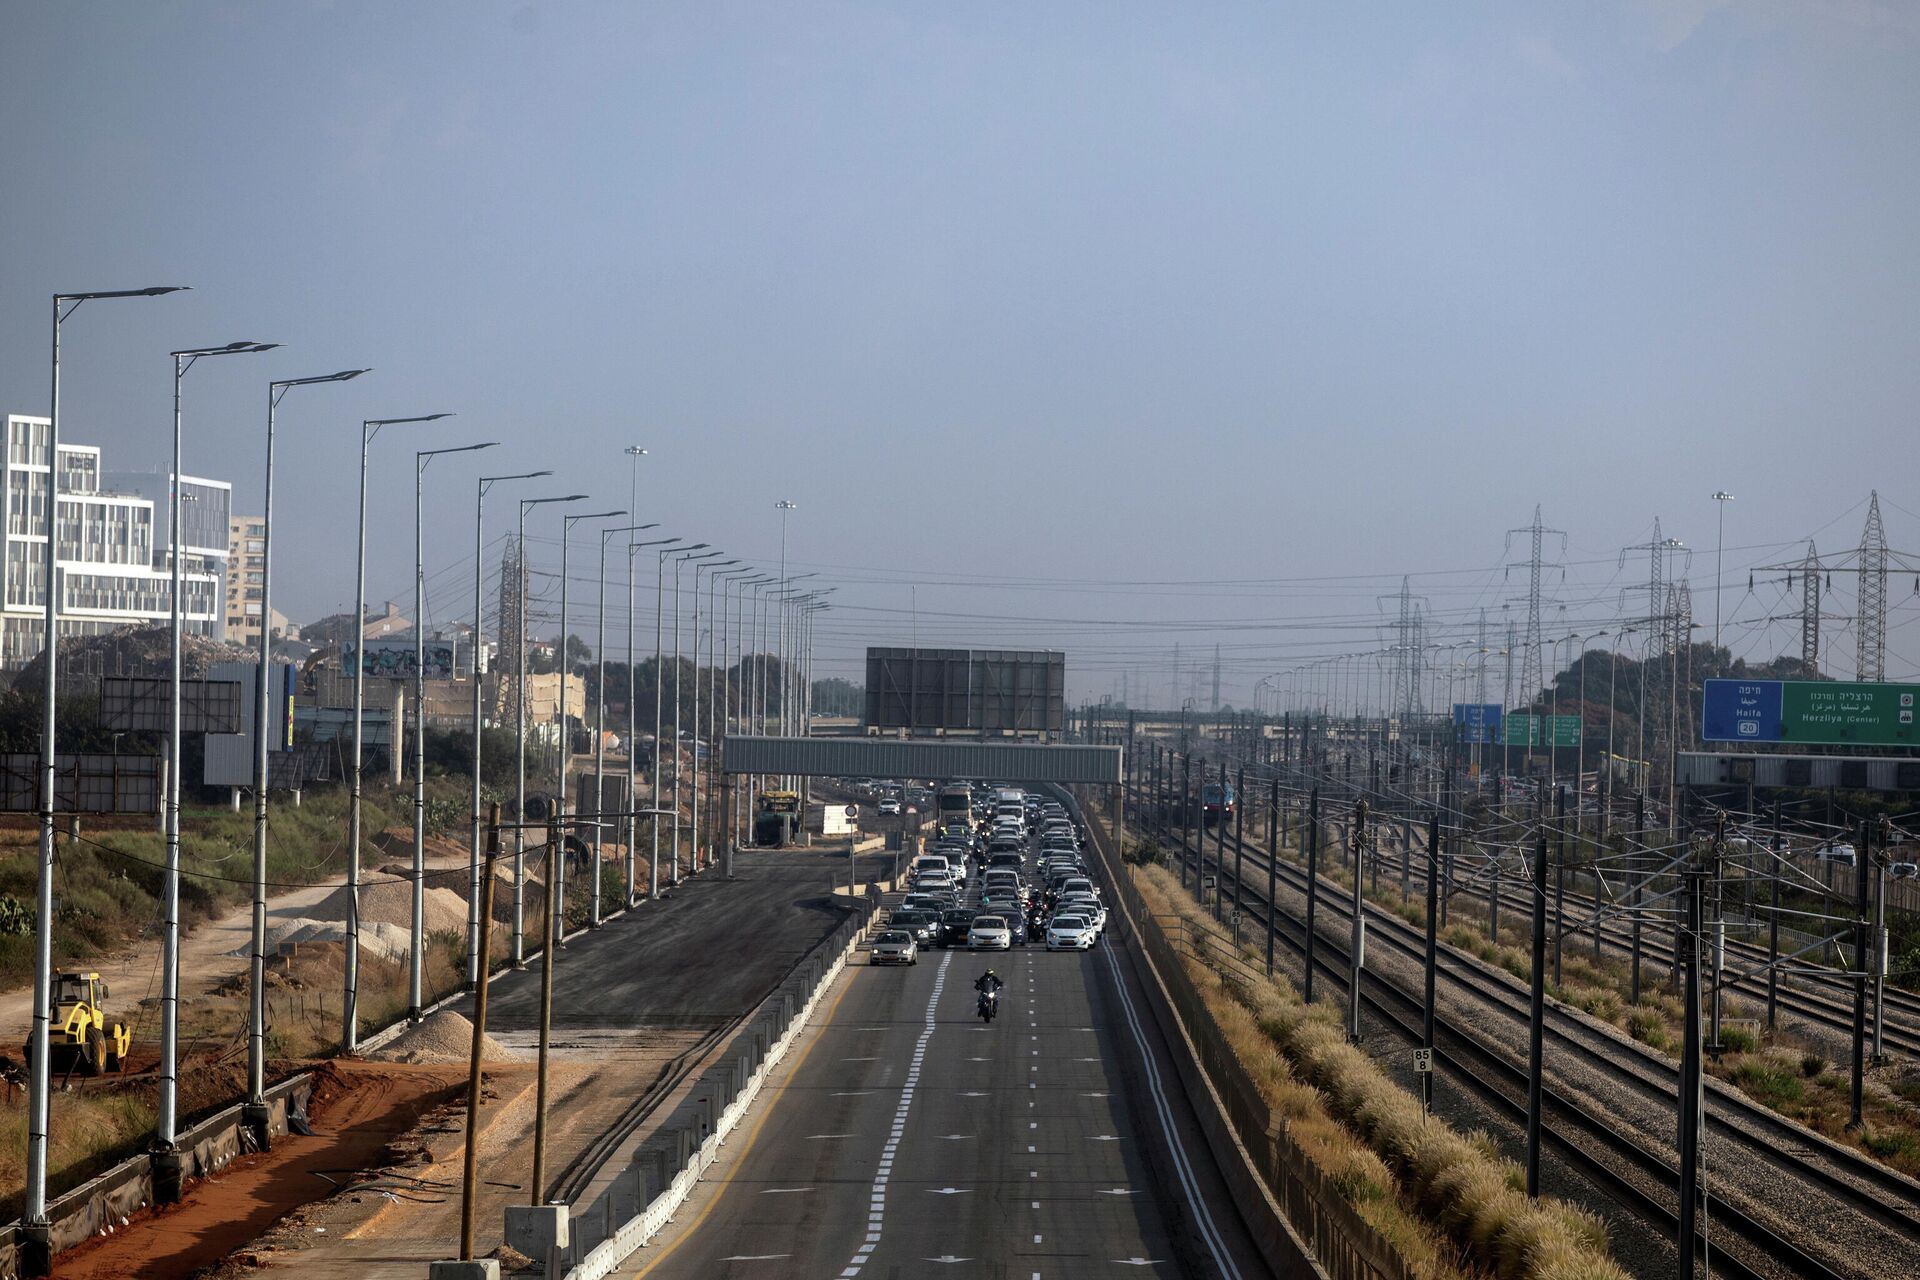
{"points": [[989, 933], [895, 946]]}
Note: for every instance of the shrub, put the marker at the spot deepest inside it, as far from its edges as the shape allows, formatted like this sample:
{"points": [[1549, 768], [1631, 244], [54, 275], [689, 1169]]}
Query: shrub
{"points": [[1812, 1064], [1738, 1040]]}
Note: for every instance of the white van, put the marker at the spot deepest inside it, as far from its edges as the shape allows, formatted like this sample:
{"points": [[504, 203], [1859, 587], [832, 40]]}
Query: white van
{"points": [[930, 862]]}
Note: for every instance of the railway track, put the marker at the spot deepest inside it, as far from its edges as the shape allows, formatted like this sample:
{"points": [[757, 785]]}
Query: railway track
{"points": [[1866, 1213]]}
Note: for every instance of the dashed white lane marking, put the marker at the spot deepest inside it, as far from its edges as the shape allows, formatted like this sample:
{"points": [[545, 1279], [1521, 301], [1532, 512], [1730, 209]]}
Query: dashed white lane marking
{"points": [[877, 1206], [784, 1191], [756, 1257], [851, 1093], [816, 1137]]}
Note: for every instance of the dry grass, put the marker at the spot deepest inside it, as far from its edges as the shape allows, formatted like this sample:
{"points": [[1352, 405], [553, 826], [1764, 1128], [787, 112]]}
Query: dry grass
{"points": [[1444, 1198]]}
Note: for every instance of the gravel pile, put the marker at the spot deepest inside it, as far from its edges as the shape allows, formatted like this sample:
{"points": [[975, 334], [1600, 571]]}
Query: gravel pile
{"points": [[444, 1037], [387, 941], [391, 902]]}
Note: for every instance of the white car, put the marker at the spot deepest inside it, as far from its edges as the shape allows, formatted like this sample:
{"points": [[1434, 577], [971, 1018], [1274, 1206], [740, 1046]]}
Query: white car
{"points": [[1070, 933], [989, 933], [1089, 908], [889, 807]]}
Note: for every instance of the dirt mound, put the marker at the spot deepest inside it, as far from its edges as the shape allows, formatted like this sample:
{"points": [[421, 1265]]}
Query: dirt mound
{"points": [[391, 902], [444, 1037], [388, 941]]}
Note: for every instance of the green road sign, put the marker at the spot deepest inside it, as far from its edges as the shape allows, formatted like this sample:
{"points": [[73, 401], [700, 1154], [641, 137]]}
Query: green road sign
{"points": [[1822, 711], [1540, 731]]}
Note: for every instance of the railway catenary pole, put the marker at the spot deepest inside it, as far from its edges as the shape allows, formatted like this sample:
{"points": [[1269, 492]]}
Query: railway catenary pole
{"points": [[1273, 862], [1717, 960], [1778, 846], [1879, 945], [1856, 1094], [1186, 812], [470, 1175], [1219, 840], [1433, 917], [1357, 844], [1239, 845], [1639, 886], [1560, 878], [1537, 1018], [1313, 885], [1686, 1237], [475, 922]]}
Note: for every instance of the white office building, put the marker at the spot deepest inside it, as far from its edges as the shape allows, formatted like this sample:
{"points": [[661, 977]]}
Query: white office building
{"points": [[111, 560]]}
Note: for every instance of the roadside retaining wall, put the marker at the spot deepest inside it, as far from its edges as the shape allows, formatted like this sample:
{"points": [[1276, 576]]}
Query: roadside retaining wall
{"points": [[663, 1173]]}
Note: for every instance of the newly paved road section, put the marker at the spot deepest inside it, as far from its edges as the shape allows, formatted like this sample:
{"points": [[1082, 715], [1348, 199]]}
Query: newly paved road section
{"points": [[911, 1140]]}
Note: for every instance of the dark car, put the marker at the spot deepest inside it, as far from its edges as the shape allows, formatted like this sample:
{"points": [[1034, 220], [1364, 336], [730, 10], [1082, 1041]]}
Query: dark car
{"points": [[1017, 925], [923, 925], [954, 926]]}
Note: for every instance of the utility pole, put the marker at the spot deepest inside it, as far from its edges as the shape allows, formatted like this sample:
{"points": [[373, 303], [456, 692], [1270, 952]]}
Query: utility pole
{"points": [[1531, 677], [1357, 842], [1537, 1020], [1313, 884], [1433, 916]]}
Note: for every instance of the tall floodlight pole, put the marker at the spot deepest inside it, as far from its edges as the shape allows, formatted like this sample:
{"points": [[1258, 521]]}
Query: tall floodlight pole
{"points": [[673, 876], [476, 965], [659, 724], [520, 740], [557, 891], [1721, 498], [417, 951], [743, 639], [39, 1246], [254, 1113], [350, 965], [693, 846], [600, 713], [166, 1163]]}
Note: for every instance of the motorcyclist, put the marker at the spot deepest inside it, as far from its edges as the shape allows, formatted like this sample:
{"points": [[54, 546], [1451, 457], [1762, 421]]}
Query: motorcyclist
{"points": [[988, 983]]}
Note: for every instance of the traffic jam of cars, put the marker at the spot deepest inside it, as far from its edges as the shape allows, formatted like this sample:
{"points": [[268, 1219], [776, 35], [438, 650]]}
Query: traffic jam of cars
{"points": [[1004, 868]]}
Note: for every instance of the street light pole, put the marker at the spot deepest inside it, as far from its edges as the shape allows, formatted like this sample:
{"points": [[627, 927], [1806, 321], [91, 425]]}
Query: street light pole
{"points": [[520, 739], [600, 714], [557, 891], [476, 963], [350, 966], [254, 1113], [166, 1163], [673, 877], [416, 968], [659, 686], [39, 1087], [693, 849], [717, 696]]}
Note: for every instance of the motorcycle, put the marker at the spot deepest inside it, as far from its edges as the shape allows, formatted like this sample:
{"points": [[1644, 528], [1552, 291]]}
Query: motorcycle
{"points": [[989, 1005]]}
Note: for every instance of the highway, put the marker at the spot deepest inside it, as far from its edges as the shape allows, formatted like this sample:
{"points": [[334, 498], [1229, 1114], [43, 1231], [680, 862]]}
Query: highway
{"points": [[909, 1139]]}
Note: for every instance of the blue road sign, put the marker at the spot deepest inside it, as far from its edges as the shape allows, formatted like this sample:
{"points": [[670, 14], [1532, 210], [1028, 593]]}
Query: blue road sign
{"points": [[1742, 711], [1477, 721]]}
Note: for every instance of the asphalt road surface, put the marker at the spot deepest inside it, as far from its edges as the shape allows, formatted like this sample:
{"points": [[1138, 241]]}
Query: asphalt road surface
{"points": [[706, 953], [909, 1139]]}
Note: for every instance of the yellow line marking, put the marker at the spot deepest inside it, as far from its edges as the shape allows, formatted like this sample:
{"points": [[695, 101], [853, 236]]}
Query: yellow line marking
{"points": [[753, 1136]]}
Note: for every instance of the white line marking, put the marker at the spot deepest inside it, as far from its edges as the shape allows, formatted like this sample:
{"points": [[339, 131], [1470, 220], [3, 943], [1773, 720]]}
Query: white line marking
{"points": [[1201, 1213]]}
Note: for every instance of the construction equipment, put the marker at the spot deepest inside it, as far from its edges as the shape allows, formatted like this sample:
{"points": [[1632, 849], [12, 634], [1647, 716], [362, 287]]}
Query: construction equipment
{"points": [[776, 819], [79, 1035]]}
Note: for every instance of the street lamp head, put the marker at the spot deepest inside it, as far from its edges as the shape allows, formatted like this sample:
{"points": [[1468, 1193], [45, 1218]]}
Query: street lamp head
{"points": [[421, 455], [784, 505], [394, 422], [696, 546], [635, 451], [345, 375], [231, 349], [153, 292], [1722, 496], [521, 475], [594, 515]]}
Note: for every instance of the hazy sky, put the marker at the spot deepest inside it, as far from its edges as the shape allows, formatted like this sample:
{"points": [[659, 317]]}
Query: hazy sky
{"points": [[1100, 326]]}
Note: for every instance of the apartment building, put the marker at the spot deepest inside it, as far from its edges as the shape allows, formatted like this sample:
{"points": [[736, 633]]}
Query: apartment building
{"points": [[111, 568], [246, 580]]}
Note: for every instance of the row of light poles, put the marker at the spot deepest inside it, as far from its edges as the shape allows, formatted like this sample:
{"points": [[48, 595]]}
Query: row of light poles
{"points": [[254, 1112]]}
